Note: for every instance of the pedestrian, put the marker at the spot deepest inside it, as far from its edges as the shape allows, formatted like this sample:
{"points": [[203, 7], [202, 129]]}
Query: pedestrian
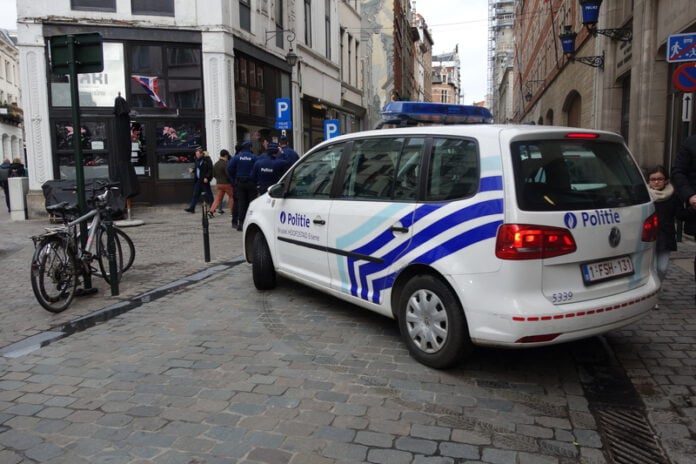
{"points": [[684, 182], [268, 168], [202, 174], [239, 171], [223, 184], [4, 174], [16, 168], [668, 208]]}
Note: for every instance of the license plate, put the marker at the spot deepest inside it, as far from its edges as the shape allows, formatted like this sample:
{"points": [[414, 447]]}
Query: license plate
{"points": [[600, 271]]}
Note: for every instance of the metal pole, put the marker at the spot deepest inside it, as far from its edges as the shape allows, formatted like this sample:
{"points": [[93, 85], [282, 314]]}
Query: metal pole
{"points": [[206, 238], [114, 276], [77, 144]]}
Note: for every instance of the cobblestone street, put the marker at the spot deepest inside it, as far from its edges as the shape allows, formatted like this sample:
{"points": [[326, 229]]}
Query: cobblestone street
{"points": [[202, 368]]}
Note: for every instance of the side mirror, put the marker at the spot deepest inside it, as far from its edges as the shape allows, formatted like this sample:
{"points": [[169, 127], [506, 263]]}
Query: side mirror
{"points": [[276, 190]]}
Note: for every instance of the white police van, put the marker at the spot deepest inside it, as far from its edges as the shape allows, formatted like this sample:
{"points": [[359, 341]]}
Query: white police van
{"points": [[509, 236]]}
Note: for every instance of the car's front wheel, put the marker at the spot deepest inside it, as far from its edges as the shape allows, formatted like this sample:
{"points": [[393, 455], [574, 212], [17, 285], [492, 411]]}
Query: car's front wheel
{"points": [[263, 272], [432, 323]]}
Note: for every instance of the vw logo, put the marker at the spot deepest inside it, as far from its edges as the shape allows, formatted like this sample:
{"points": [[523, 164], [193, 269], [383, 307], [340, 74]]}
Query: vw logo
{"points": [[282, 217], [570, 220], [614, 237]]}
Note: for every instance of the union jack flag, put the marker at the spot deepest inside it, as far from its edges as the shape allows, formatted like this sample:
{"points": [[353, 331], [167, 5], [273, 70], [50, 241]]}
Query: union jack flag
{"points": [[151, 86]]}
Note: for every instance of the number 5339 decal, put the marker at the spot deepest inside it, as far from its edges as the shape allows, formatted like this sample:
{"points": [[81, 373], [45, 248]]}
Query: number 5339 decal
{"points": [[561, 297]]}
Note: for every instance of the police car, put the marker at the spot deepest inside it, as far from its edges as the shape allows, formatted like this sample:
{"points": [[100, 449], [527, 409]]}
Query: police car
{"points": [[507, 236]]}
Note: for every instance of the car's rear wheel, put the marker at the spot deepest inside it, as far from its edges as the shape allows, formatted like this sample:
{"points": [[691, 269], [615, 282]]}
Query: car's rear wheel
{"points": [[263, 272], [432, 323]]}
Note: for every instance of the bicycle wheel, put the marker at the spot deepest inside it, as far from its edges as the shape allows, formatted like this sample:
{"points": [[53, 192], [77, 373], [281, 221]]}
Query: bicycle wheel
{"points": [[53, 274]]}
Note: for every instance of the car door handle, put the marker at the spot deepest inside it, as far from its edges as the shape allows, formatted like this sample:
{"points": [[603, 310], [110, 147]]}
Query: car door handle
{"points": [[399, 229], [319, 221]]}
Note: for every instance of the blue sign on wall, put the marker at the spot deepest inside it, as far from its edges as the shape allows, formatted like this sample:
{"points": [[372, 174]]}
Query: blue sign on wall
{"points": [[283, 111], [681, 47], [331, 129]]}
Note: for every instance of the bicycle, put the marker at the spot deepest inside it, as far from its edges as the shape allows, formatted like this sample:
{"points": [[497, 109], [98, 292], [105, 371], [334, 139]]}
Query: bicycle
{"points": [[61, 260]]}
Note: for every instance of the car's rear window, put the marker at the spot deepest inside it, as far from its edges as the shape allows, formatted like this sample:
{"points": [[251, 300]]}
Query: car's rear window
{"points": [[555, 175]]}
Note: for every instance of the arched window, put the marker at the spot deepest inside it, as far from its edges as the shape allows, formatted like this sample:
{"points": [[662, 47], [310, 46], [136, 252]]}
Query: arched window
{"points": [[549, 117], [573, 109]]}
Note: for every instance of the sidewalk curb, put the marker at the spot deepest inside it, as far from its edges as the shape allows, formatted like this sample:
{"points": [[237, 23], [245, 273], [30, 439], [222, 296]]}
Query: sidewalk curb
{"points": [[43, 339]]}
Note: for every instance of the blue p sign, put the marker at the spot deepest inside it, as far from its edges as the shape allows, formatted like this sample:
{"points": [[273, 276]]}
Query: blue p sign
{"points": [[331, 129], [283, 114]]}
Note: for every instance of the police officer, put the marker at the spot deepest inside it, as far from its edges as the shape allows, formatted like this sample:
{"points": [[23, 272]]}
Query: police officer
{"points": [[286, 153], [268, 168], [239, 171]]}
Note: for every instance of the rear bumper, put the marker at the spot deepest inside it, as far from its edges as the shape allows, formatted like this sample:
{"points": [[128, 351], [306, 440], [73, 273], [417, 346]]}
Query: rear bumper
{"points": [[517, 322]]}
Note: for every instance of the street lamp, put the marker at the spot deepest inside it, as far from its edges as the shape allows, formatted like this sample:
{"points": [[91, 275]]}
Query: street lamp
{"points": [[528, 85], [568, 44], [590, 17], [291, 58]]}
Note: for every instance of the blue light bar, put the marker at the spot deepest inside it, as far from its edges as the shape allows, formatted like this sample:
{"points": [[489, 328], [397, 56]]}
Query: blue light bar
{"points": [[410, 113]]}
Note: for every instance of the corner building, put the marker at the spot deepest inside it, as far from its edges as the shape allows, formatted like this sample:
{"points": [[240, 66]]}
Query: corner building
{"points": [[200, 73]]}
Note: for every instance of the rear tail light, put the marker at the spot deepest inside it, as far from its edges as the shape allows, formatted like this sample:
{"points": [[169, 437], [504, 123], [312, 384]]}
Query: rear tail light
{"points": [[526, 241], [581, 135], [650, 229]]}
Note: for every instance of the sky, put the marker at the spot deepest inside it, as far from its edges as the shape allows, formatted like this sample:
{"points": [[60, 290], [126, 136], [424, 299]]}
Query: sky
{"points": [[463, 22], [451, 22]]}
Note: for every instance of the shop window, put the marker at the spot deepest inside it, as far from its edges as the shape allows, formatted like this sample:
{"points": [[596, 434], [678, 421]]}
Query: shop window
{"points": [[152, 7], [249, 89], [94, 143], [93, 5], [176, 145], [139, 148], [95, 89]]}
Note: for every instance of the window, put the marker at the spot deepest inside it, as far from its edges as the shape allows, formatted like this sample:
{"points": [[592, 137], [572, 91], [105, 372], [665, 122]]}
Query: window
{"points": [[93, 5], [554, 175], [96, 89], [383, 169], [279, 23], [249, 78], [308, 22], [176, 142], [453, 171], [94, 144], [245, 14], [313, 176], [327, 27], [153, 7]]}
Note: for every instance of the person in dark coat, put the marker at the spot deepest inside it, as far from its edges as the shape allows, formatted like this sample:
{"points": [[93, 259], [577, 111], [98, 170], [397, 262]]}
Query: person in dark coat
{"points": [[239, 171], [202, 174], [669, 208], [268, 168], [684, 182], [4, 174]]}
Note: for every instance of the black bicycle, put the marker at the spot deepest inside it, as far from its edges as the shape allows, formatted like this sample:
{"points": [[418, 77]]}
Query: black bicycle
{"points": [[61, 261]]}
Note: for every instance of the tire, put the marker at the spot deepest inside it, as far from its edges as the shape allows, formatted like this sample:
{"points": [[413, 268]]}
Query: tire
{"points": [[432, 323], [53, 274], [263, 271]]}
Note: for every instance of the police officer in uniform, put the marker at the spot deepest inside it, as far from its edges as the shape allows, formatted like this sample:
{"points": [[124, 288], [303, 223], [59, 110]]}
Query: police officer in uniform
{"points": [[239, 171], [268, 168]]}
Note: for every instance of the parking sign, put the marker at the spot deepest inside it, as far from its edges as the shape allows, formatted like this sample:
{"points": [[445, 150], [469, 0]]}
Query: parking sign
{"points": [[283, 114], [331, 129]]}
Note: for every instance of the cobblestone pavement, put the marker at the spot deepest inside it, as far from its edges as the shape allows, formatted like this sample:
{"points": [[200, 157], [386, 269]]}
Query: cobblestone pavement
{"points": [[208, 370]]}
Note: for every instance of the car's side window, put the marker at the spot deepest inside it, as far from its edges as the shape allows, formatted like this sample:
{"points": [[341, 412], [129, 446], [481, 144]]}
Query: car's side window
{"points": [[383, 168], [313, 175], [454, 169]]}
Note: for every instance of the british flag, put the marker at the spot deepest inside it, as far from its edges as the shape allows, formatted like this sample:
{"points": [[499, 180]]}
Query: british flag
{"points": [[151, 86]]}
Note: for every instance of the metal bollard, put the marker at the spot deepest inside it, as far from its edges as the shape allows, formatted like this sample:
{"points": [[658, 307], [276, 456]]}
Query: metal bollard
{"points": [[111, 253], [206, 238]]}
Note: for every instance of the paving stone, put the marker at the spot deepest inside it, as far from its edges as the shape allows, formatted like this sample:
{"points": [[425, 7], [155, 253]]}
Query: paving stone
{"points": [[416, 445]]}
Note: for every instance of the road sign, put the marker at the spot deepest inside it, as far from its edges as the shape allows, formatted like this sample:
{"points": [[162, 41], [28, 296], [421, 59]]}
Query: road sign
{"points": [[331, 129], [283, 111], [681, 47], [83, 51], [687, 98], [684, 77]]}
